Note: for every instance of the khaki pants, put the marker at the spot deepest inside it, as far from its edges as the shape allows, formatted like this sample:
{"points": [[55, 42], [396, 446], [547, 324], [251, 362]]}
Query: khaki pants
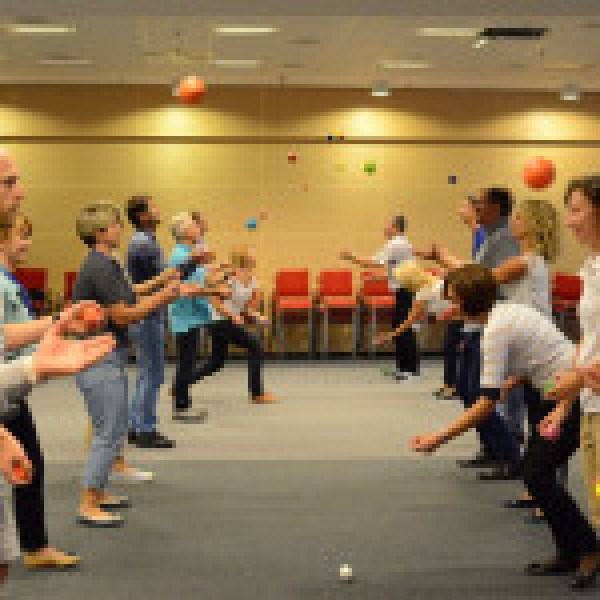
{"points": [[590, 444]]}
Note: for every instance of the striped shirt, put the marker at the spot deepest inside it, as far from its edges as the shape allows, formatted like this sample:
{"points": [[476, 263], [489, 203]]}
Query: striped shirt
{"points": [[518, 341], [589, 318]]}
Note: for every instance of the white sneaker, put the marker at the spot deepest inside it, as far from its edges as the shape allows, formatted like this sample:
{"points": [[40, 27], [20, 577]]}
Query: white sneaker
{"points": [[132, 475]]}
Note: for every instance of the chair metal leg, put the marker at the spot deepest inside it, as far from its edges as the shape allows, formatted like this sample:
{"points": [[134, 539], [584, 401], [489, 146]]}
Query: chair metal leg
{"points": [[373, 332], [280, 336], [311, 344], [325, 332], [354, 332]]}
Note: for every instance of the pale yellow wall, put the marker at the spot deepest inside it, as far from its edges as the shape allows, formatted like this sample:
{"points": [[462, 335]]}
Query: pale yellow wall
{"points": [[228, 158]]}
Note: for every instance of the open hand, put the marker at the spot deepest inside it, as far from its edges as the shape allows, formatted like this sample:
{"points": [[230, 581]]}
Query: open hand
{"points": [[57, 356]]}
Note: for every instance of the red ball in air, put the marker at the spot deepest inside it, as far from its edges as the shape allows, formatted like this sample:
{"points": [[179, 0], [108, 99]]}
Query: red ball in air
{"points": [[539, 173]]}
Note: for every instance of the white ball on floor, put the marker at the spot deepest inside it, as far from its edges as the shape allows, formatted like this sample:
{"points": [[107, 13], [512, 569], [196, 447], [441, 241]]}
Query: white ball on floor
{"points": [[346, 573]]}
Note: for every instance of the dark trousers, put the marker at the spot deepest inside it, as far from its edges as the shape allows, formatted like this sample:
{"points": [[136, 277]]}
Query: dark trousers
{"points": [[407, 351], [28, 500], [573, 535], [187, 349], [222, 334], [496, 439], [451, 343]]}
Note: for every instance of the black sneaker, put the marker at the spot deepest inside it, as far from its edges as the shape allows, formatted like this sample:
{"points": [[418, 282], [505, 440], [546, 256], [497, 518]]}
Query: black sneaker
{"points": [[154, 440], [132, 436], [502, 473]]}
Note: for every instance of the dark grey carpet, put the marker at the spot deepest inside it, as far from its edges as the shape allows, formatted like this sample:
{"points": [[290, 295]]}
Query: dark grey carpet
{"points": [[278, 530]]}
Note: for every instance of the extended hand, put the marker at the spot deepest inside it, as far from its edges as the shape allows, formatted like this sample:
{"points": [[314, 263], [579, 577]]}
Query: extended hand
{"points": [[56, 356], [427, 443]]}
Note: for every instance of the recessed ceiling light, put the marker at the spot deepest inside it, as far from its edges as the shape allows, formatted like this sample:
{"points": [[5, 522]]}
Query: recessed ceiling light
{"points": [[380, 88], [567, 66], [242, 63], [448, 31], [245, 30], [40, 28], [64, 61], [480, 43], [404, 64]]}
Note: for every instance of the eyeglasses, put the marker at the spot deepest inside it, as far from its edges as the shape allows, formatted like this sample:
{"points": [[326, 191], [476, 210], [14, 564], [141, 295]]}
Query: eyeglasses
{"points": [[10, 182]]}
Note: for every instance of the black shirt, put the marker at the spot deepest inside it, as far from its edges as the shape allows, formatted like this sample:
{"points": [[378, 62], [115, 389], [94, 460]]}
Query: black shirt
{"points": [[102, 279]]}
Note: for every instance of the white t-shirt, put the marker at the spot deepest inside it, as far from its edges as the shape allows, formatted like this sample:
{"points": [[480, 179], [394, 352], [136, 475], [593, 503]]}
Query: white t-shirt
{"points": [[433, 296], [589, 318], [241, 295], [392, 255], [519, 341], [533, 289]]}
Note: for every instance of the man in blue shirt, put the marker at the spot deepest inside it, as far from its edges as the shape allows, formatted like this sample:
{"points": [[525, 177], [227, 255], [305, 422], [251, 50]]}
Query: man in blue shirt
{"points": [[144, 262]]}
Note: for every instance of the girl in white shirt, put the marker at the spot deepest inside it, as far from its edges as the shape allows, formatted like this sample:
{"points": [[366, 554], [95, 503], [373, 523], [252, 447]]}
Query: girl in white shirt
{"points": [[228, 319]]}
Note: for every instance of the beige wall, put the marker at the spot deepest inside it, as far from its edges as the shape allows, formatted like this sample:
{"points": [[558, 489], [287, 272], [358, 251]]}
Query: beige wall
{"points": [[228, 158]]}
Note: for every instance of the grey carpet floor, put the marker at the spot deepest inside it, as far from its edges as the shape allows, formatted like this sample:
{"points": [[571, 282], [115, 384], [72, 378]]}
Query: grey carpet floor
{"points": [[266, 504]]}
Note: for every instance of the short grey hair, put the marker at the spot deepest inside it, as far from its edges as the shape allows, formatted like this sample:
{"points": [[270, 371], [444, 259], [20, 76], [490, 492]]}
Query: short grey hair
{"points": [[179, 224]]}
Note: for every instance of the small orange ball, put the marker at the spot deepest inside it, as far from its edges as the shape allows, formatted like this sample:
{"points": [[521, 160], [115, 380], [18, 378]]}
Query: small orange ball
{"points": [[539, 173], [191, 89]]}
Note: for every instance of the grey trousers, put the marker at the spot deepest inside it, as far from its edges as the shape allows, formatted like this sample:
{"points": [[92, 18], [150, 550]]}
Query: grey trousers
{"points": [[104, 390]]}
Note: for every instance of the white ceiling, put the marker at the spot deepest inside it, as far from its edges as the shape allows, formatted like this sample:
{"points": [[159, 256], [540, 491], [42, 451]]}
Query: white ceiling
{"points": [[351, 37]]}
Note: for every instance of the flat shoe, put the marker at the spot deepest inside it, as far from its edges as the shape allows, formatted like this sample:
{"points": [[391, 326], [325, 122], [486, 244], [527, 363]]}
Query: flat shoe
{"points": [[112, 520], [519, 503], [33, 562], [547, 569], [581, 581], [115, 502]]}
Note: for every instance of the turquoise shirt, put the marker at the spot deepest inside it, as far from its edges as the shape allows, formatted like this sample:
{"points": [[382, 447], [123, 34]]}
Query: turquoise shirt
{"points": [[15, 310], [188, 313]]}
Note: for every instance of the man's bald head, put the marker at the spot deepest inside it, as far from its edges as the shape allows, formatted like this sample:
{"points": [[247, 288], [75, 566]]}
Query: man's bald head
{"points": [[11, 191]]}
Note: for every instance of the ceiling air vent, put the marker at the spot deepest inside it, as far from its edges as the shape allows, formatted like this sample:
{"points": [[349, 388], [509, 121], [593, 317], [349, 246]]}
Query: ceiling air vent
{"points": [[513, 33]]}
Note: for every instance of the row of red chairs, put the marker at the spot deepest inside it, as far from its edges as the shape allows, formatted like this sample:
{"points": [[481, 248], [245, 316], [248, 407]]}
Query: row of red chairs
{"points": [[293, 299]]}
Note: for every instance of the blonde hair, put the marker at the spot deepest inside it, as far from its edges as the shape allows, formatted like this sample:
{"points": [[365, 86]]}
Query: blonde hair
{"points": [[543, 227], [14, 223], [412, 276], [240, 257], [94, 218], [179, 224]]}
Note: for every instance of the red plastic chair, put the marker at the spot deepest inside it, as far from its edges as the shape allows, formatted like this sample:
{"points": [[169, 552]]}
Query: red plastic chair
{"points": [[292, 297], [35, 281], [70, 277], [375, 297], [566, 292], [336, 295]]}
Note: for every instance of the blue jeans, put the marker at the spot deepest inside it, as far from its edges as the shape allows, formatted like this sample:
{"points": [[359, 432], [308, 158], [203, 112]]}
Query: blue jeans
{"points": [[496, 439], [512, 410], [104, 389], [148, 337]]}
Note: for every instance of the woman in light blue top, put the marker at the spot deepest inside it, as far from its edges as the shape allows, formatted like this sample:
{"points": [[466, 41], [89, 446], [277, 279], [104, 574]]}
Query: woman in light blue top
{"points": [[28, 500]]}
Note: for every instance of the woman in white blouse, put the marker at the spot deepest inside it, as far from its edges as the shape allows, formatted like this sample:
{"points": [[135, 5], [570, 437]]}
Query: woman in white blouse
{"points": [[583, 219]]}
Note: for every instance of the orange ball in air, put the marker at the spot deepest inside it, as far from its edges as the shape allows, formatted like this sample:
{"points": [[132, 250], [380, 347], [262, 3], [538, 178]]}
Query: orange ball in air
{"points": [[191, 89], [539, 173]]}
